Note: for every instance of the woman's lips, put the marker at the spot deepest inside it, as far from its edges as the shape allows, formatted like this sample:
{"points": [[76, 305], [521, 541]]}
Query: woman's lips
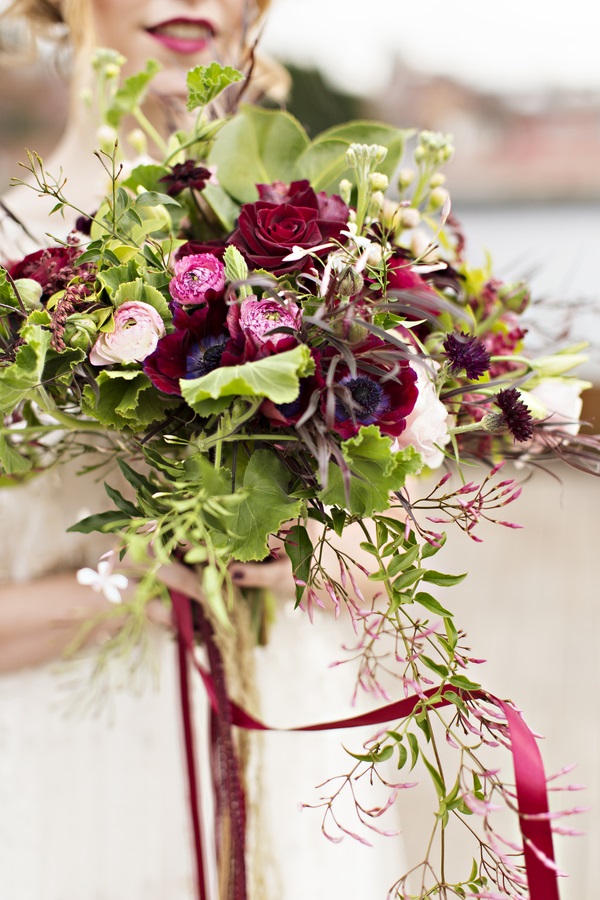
{"points": [[183, 35]]}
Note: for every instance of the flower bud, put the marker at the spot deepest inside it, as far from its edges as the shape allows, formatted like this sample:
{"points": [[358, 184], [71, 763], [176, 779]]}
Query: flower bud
{"points": [[137, 139], [378, 182], [405, 179], [438, 197], [30, 292], [80, 332], [376, 204], [437, 181], [409, 217], [375, 255], [350, 282], [107, 138], [346, 190]]}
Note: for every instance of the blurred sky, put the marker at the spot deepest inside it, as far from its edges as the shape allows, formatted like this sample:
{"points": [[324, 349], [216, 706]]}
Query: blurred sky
{"points": [[511, 45]]}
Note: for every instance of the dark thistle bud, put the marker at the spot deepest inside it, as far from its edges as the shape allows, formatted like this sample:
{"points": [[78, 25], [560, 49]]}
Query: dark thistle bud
{"points": [[465, 351], [514, 416]]}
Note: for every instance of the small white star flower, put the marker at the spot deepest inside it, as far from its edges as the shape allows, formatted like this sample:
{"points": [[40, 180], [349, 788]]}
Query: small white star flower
{"points": [[103, 581]]}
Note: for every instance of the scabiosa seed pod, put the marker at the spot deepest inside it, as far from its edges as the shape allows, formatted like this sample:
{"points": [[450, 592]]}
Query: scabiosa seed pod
{"points": [[466, 352], [514, 416]]}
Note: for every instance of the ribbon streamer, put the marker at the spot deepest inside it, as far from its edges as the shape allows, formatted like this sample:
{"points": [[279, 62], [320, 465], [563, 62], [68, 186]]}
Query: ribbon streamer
{"points": [[530, 778]]}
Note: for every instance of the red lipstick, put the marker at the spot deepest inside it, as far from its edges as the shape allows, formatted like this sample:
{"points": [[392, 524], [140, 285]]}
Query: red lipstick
{"points": [[181, 35]]}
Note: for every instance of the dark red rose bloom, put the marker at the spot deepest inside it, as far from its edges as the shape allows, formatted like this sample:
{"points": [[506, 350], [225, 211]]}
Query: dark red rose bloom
{"points": [[51, 267], [268, 230], [192, 248], [186, 175], [193, 349]]}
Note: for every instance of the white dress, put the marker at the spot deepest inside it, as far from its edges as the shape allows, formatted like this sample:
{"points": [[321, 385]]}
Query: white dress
{"points": [[93, 807]]}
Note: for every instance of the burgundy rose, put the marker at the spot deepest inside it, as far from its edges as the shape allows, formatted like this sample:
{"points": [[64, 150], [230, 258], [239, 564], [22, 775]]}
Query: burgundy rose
{"points": [[51, 267], [216, 247], [268, 230], [198, 279]]}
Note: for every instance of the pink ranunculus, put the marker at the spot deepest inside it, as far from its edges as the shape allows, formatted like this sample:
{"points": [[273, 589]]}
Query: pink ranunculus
{"points": [[198, 279], [427, 425], [138, 327], [258, 317]]}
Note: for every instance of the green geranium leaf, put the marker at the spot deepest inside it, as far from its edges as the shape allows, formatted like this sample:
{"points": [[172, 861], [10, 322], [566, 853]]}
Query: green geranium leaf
{"points": [[324, 161], [376, 472], [131, 94], [25, 373], [7, 293], [204, 83], [112, 279], [11, 461], [277, 378], [147, 177], [126, 400], [59, 366], [141, 292], [265, 506], [272, 141]]}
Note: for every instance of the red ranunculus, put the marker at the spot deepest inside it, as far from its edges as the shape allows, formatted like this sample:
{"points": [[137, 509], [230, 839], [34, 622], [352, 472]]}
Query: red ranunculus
{"points": [[268, 230]]}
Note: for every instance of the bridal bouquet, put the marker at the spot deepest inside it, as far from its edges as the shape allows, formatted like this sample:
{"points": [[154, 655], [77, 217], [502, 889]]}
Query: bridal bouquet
{"points": [[274, 336]]}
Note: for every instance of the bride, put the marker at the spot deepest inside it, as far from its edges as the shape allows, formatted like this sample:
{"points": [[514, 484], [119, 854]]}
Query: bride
{"points": [[94, 807]]}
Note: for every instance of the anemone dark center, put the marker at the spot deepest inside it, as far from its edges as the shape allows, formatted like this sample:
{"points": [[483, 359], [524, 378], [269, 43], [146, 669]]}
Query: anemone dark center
{"points": [[201, 361], [366, 392]]}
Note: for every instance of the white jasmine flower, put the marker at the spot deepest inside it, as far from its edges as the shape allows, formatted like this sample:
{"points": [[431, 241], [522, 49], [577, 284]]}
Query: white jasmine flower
{"points": [[103, 581]]}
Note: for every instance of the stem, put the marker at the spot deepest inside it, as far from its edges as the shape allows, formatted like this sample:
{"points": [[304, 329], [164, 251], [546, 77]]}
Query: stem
{"points": [[150, 130], [72, 422]]}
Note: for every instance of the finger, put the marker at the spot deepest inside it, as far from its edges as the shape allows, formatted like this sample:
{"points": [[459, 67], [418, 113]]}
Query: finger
{"points": [[276, 575]]}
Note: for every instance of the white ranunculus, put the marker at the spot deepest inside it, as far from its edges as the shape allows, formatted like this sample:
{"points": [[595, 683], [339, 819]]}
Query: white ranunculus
{"points": [[427, 425], [137, 330]]}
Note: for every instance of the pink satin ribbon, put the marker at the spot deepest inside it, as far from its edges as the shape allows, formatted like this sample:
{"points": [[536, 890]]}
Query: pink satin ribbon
{"points": [[530, 779]]}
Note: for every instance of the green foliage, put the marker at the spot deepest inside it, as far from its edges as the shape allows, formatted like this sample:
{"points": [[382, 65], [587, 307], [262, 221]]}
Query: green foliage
{"points": [[376, 470], [131, 94], [205, 83], [276, 377], [19, 379], [299, 548], [324, 160], [265, 506], [125, 400], [272, 141]]}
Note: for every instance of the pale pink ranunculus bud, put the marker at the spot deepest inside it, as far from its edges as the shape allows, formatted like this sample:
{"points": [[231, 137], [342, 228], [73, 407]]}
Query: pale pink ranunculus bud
{"points": [[138, 327], [427, 425]]}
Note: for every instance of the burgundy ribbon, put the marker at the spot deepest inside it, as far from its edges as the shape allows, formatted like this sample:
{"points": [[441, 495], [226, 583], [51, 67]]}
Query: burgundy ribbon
{"points": [[530, 779]]}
